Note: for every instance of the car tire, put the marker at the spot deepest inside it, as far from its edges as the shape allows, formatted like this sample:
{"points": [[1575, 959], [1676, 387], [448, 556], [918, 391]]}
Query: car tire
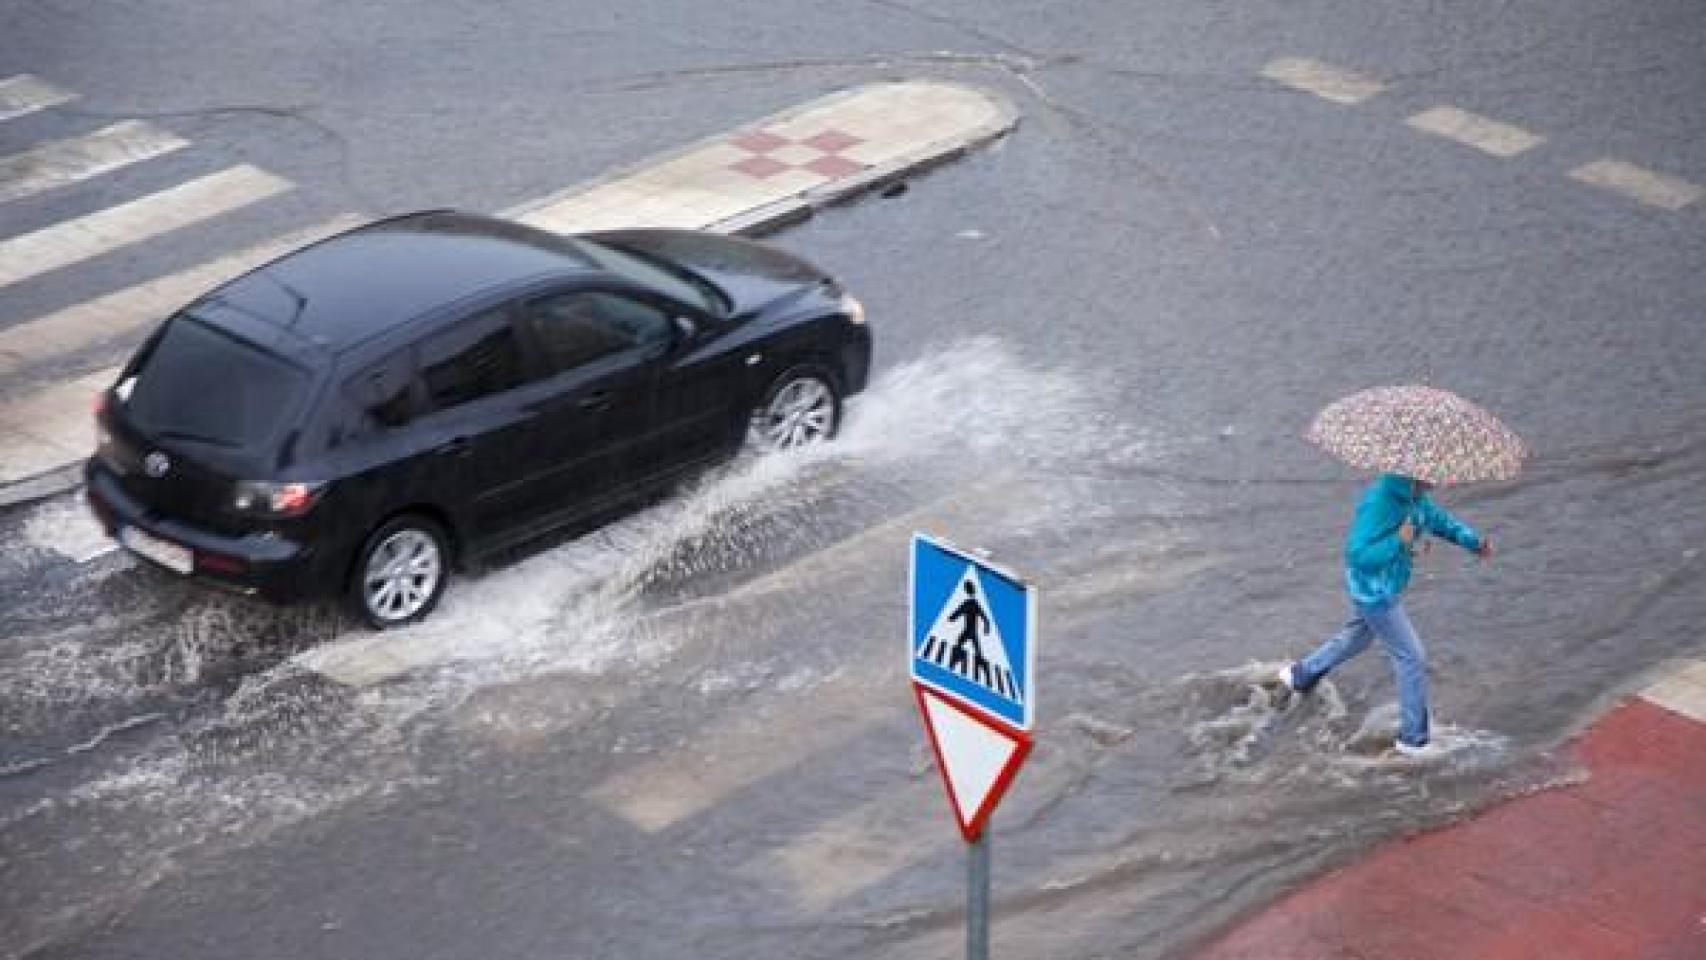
{"points": [[800, 408], [401, 572]]}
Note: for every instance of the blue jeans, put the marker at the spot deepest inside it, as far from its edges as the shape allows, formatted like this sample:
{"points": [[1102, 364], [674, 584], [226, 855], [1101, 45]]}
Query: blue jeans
{"points": [[1391, 624]]}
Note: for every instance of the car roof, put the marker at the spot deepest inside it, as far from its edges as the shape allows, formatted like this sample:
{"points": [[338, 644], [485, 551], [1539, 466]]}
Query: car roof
{"points": [[347, 289]]}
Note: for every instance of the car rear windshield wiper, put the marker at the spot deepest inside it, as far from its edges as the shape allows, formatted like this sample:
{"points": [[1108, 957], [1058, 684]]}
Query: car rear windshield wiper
{"points": [[196, 438]]}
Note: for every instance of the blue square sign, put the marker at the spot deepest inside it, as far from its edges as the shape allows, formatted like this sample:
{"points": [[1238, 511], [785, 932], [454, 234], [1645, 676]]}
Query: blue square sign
{"points": [[974, 632]]}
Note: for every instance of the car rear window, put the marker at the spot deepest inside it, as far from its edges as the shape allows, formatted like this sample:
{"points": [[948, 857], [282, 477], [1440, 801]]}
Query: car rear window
{"points": [[201, 385]]}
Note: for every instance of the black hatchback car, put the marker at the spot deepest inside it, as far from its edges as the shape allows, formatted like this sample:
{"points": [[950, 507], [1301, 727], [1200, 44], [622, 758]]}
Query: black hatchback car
{"points": [[363, 415]]}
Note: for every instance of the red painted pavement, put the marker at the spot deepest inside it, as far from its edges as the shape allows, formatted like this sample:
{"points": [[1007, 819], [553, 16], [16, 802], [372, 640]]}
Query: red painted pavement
{"points": [[1611, 869]]}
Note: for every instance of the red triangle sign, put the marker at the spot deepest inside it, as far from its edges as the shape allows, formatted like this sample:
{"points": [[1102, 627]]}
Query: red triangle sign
{"points": [[978, 757]]}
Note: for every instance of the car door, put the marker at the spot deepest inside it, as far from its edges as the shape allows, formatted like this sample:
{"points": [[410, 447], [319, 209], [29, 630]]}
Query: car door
{"points": [[477, 428], [597, 352], [699, 412]]}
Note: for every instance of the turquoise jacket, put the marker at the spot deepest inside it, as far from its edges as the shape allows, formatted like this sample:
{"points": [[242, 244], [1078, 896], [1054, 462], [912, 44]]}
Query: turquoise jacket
{"points": [[1377, 563]]}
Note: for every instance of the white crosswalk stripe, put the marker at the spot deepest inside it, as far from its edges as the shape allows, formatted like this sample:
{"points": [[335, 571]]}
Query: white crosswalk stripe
{"points": [[127, 310], [1474, 130], [51, 428], [63, 244], [1335, 84], [1638, 183], [45, 428], [64, 162], [24, 94]]}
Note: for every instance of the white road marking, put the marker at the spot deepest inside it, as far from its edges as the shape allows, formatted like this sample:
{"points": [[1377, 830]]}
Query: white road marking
{"points": [[1638, 183], [1474, 130], [26, 94], [51, 428], [1322, 79], [123, 311], [62, 162], [722, 760], [77, 240], [861, 848], [1682, 692]]}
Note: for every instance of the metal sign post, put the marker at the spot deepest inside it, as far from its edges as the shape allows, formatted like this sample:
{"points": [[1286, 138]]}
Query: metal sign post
{"points": [[972, 651], [977, 898]]}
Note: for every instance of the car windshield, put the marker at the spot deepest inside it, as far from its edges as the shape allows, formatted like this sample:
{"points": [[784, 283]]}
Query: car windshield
{"points": [[654, 274], [200, 385]]}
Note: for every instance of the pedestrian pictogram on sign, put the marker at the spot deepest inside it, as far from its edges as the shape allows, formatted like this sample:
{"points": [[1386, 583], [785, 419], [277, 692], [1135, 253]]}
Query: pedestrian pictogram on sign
{"points": [[976, 651], [973, 632]]}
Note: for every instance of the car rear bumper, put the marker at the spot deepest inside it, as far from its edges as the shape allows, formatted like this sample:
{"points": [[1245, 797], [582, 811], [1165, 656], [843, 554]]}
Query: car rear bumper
{"points": [[264, 565]]}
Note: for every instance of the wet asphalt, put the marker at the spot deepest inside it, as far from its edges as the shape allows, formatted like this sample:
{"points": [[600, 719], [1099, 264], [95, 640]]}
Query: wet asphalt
{"points": [[1098, 345]]}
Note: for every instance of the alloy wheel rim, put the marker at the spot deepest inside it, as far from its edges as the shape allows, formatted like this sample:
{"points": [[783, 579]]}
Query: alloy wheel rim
{"points": [[800, 414], [402, 574]]}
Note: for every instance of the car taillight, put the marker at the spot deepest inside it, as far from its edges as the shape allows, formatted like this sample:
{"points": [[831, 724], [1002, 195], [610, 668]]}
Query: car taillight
{"points": [[278, 499], [104, 446]]}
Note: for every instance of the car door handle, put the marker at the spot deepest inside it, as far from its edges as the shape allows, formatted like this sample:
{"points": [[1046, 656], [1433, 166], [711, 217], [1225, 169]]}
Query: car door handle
{"points": [[597, 400], [454, 447]]}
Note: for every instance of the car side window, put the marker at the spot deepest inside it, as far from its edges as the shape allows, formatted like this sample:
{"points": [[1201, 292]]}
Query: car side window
{"points": [[474, 358], [382, 391], [583, 326]]}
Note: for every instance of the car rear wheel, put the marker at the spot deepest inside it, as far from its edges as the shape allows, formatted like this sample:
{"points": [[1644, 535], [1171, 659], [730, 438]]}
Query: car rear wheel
{"points": [[401, 572], [801, 408]]}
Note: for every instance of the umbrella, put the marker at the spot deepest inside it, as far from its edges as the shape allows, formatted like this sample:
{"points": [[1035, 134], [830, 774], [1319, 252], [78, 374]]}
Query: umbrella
{"points": [[1423, 432]]}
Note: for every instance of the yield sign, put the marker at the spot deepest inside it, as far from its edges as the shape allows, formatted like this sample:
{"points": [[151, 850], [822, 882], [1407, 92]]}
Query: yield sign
{"points": [[978, 757]]}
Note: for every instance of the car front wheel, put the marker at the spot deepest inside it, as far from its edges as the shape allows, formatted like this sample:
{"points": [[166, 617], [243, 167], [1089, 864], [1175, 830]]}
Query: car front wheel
{"points": [[802, 407], [401, 572]]}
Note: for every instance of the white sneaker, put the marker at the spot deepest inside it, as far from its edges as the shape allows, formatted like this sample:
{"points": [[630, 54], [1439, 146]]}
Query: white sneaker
{"points": [[1426, 751], [1286, 677]]}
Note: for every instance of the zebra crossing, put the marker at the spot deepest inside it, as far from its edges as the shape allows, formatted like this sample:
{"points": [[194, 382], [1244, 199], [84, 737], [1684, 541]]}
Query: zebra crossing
{"points": [[50, 363], [26, 94], [73, 241], [62, 162]]}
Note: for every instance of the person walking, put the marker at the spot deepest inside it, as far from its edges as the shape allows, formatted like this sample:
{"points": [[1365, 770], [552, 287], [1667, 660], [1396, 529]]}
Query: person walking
{"points": [[1393, 516]]}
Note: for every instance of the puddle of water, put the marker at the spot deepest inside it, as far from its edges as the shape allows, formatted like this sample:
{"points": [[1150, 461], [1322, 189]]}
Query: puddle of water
{"points": [[1243, 716]]}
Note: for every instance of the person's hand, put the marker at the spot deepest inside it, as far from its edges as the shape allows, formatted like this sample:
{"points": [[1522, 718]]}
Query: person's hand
{"points": [[1486, 550], [1407, 533]]}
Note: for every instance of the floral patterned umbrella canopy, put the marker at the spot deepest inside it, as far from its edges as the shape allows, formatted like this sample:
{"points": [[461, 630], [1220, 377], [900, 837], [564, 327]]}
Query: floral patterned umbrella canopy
{"points": [[1422, 432]]}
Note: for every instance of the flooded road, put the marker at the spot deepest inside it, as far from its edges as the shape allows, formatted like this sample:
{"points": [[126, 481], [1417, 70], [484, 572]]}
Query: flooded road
{"points": [[689, 734], [704, 703]]}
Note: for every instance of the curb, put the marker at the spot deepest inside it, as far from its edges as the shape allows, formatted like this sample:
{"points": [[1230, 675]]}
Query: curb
{"points": [[799, 209], [52, 483]]}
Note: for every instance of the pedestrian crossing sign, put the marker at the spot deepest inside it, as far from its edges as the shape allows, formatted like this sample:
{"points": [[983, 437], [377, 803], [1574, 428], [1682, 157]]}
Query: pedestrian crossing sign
{"points": [[973, 632]]}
